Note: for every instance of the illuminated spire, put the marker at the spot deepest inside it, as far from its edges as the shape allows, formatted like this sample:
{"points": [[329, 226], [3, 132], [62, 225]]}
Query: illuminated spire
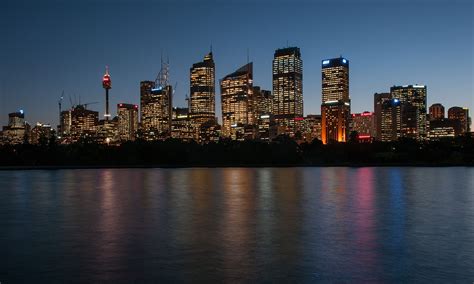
{"points": [[106, 81]]}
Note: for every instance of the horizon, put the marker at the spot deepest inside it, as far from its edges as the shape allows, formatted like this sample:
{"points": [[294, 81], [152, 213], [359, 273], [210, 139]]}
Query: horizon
{"points": [[53, 47]]}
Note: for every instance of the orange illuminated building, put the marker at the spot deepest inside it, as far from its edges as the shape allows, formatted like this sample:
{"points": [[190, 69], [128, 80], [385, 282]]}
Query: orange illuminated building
{"points": [[336, 104]]}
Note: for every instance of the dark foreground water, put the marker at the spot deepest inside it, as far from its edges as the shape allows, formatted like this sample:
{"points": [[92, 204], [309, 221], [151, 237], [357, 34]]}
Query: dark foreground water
{"points": [[237, 225]]}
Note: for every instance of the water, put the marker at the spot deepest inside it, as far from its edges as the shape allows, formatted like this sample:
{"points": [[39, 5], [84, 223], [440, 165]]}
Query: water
{"points": [[298, 225]]}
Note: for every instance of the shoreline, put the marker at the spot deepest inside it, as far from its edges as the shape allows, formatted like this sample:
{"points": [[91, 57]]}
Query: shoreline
{"points": [[158, 166]]}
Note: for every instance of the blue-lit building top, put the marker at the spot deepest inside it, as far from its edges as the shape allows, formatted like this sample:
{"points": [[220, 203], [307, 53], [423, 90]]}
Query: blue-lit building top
{"points": [[334, 62]]}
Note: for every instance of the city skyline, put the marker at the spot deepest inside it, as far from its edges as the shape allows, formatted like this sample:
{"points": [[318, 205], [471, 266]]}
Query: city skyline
{"points": [[415, 64]]}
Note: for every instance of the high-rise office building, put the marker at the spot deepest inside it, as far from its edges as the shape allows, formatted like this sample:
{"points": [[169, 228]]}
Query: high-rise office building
{"points": [[443, 128], [436, 111], [390, 120], [335, 107], [237, 100], [78, 122], [363, 124], [202, 106], [156, 104], [127, 121], [181, 127], [263, 101], [379, 99], [412, 95], [17, 130], [145, 110], [461, 114], [41, 133], [287, 72]]}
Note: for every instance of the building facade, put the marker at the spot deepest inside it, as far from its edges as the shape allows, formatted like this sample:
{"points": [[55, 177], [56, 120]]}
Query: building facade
{"points": [[415, 96], [461, 114], [156, 109], [390, 120], [237, 101], [263, 101], [181, 126], [17, 131], [379, 100], [202, 106], [77, 123], [436, 111], [364, 124], [336, 104], [287, 75], [127, 115]]}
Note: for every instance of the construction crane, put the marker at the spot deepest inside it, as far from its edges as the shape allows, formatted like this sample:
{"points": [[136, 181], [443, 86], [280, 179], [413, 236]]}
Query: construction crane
{"points": [[60, 102], [186, 98], [86, 104]]}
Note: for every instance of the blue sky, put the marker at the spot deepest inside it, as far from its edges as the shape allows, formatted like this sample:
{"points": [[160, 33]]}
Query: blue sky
{"points": [[50, 46]]}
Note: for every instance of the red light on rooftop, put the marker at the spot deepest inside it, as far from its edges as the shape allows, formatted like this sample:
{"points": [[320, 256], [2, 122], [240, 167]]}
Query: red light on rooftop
{"points": [[106, 81], [366, 113], [299, 118], [364, 136]]}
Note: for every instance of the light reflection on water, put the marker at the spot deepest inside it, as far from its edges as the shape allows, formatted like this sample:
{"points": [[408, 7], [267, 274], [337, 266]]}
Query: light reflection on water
{"points": [[238, 224]]}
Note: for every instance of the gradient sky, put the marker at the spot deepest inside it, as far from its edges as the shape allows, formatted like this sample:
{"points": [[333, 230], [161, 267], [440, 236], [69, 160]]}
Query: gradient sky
{"points": [[50, 46]]}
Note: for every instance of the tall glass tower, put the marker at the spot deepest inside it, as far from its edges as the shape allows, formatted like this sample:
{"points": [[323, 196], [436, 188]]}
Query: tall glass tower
{"points": [[336, 104], [287, 72], [202, 106], [237, 99]]}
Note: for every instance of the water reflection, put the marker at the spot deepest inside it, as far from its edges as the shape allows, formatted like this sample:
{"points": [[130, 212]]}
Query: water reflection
{"points": [[297, 225], [365, 213], [238, 223]]}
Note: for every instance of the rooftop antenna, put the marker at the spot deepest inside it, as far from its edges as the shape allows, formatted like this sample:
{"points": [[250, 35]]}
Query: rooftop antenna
{"points": [[163, 76], [60, 102], [287, 44]]}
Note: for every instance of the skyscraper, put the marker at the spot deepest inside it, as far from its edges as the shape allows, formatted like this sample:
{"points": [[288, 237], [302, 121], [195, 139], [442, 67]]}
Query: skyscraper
{"points": [[379, 99], [202, 91], [436, 111], [237, 100], [412, 95], [127, 121], [156, 104], [263, 101], [287, 72], [335, 107], [390, 120], [461, 114], [78, 122]]}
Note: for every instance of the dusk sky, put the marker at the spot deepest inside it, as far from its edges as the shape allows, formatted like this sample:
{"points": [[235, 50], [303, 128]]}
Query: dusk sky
{"points": [[50, 46]]}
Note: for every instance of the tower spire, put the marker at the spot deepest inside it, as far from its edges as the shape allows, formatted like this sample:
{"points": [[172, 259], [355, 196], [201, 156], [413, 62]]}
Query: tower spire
{"points": [[107, 85]]}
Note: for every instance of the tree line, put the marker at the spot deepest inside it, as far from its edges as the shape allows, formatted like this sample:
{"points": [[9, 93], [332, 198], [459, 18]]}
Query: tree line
{"points": [[282, 151]]}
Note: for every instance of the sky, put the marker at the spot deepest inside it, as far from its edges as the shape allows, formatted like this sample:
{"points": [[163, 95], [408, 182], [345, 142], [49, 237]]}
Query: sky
{"points": [[47, 47]]}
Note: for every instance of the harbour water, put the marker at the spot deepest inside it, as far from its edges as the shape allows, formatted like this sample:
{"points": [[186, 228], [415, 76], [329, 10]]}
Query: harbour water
{"points": [[290, 225]]}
